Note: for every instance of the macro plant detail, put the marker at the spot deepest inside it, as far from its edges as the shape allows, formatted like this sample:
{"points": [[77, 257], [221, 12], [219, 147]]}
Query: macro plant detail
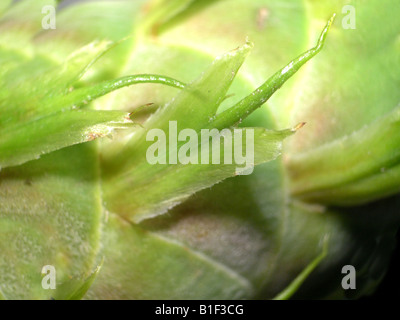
{"points": [[82, 92]]}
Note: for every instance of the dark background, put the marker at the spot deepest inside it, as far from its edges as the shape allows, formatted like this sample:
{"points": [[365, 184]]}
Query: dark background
{"points": [[391, 282]]}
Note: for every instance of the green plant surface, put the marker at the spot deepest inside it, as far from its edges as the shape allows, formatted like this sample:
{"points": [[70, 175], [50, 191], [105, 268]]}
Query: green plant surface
{"points": [[77, 190]]}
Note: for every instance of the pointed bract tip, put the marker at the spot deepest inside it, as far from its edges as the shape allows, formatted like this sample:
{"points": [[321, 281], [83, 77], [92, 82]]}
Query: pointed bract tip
{"points": [[249, 44], [243, 49], [131, 114], [299, 126], [246, 48], [324, 33], [330, 21]]}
